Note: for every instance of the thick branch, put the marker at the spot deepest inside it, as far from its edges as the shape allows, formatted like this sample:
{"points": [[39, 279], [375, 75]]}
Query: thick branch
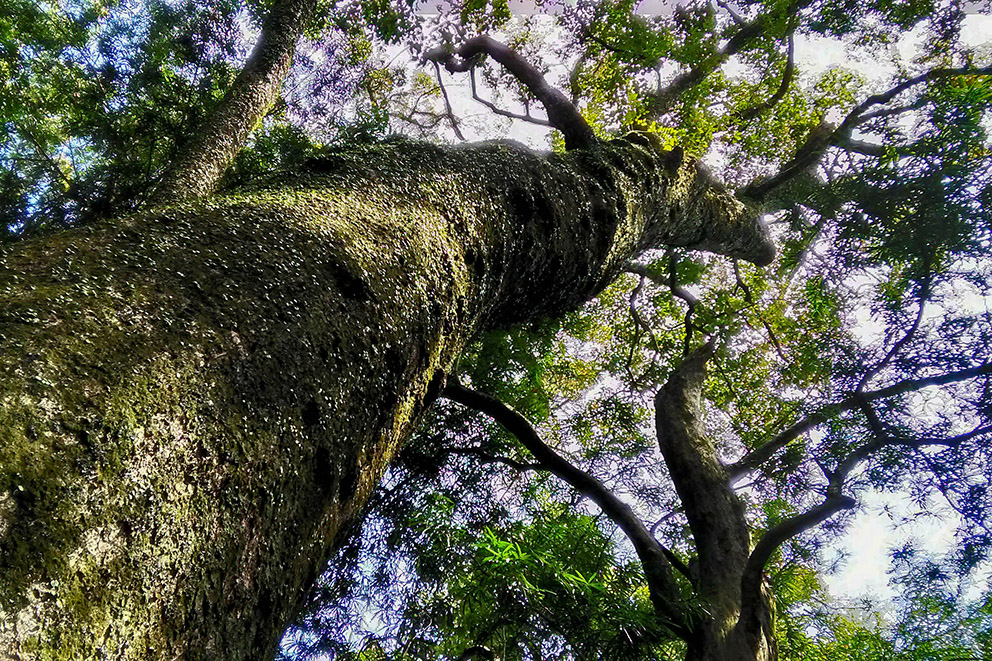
{"points": [[561, 113], [715, 514], [765, 451], [773, 538], [199, 166], [657, 568], [810, 153]]}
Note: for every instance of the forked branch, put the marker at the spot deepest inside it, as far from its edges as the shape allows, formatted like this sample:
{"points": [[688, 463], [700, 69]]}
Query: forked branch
{"points": [[763, 452], [826, 135], [747, 33]]}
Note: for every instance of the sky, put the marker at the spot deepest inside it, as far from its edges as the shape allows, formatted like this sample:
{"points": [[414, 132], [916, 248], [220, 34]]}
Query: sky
{"points": [[882, 520]]}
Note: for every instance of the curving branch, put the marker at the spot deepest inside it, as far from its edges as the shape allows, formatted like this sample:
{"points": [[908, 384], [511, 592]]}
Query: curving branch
{"points": [[762, 453], [690, 301], [826, 135], [905, 339], [748, 32], [774, 537], [672, 283], [783, 88], [639, 321], [834, 502], [561, 113], [664, 591]]}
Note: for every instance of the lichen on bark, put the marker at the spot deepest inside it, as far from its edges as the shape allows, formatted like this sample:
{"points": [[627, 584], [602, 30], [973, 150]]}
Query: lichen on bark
{"points": [[195, 401]]}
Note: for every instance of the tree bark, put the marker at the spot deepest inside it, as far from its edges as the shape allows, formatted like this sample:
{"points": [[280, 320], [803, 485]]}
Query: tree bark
{"points": [[199, 166], [196, 401], [729, 628]]}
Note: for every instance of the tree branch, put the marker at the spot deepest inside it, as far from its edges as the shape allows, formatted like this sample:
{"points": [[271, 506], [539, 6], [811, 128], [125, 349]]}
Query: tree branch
{"points": [[734, 15], [561, 113], [452, 120], [783, 88], [496, 110], [636, 316], [487, 458], [773, 538], [825, 135], [897, 347], [765, 451], [657, 568], [661, 101]]}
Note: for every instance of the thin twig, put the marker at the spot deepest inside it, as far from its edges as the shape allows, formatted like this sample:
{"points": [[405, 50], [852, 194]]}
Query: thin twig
{"points": [[452, 120], [505, 113]]}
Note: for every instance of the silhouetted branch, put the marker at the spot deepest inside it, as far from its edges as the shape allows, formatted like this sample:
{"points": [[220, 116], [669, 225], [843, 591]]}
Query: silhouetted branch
{"points": [[661, 101], [783, 88], [897, 347], [487, 458], [765, 451], [777, 535], [561, 113], [452, 120], [825, 135], [504, 113], [657, 567]]}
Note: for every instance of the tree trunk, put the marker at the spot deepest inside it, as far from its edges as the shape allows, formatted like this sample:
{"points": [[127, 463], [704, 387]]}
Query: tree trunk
{"points": [[729, 627], [199, 166], [196, 401]]}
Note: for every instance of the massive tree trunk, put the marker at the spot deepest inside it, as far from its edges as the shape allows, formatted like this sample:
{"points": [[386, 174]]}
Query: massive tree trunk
{"points": [[196, 401]]}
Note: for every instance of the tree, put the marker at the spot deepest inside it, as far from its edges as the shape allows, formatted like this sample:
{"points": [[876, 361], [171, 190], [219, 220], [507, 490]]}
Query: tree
{"points": [[198, 399]]}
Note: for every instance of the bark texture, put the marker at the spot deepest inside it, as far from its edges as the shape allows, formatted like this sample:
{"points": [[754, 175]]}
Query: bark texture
{"points": [[196, 401], [198, 167]]}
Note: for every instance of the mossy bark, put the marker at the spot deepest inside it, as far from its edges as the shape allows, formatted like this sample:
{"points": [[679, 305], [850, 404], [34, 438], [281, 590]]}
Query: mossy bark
{"points": [[196, 401], [212, 147]]}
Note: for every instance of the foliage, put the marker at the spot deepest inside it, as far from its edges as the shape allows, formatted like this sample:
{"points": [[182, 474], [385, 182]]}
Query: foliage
{"points": [[878, 247]]}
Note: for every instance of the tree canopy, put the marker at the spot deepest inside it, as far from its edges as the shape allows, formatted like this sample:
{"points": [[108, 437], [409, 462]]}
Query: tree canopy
{"points": [[520, 520]]}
